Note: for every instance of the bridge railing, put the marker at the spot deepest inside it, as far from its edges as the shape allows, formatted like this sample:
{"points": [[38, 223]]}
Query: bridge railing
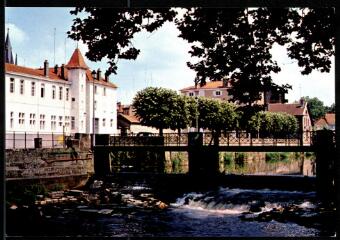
{"points": [[227, 138]]}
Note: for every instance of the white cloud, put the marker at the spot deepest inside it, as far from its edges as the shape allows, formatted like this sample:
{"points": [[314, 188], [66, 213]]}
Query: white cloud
{"points": [[16, 34]]}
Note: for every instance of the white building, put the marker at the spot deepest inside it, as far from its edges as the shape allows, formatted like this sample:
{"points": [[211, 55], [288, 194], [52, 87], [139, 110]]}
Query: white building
{"points": [[62, 99]]}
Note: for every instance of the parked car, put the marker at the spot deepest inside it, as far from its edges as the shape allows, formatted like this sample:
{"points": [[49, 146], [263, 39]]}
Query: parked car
{"points": [[145, 134]]}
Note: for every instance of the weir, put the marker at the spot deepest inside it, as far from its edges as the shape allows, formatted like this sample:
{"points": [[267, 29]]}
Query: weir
{"points": [[204, 158]]}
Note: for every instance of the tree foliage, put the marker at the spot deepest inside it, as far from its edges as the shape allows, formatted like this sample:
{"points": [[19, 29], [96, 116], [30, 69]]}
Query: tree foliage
{"points": [[275, 124], [315, 107], [163, 108], [217, 115], [231, 43], [159, 108], [331, 108]]}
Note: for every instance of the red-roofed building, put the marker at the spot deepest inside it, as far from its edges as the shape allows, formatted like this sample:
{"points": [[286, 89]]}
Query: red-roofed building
{"points": [[326, 122], [299, 110], [220, 90], [128, 122], [66, 99]]}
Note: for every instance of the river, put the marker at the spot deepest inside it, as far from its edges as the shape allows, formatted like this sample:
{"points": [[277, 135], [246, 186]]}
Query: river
{"points": [[130, 211]]}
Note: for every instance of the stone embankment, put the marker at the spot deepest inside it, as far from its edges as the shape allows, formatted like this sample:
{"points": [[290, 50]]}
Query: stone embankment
{"points": [[47, 163]]}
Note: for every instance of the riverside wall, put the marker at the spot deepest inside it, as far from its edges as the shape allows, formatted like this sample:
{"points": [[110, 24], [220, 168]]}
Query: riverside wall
{"points": [[66, 166]]}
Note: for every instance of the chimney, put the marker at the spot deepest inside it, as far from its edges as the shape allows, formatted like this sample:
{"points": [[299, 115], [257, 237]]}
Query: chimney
{"points": [[93, 74], [99, 74], [119, 107], [46, 68], [302, 101], [62, 73], [225, 82], [56, 69], [107, 77]]}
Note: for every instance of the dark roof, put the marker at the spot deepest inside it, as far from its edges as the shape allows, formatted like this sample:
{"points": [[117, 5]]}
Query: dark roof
{"points": [[8, 50], [291, 108]]}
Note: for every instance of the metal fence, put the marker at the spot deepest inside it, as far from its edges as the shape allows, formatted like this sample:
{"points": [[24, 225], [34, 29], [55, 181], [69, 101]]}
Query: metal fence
{"points": [[231, 138], [26, 140]]}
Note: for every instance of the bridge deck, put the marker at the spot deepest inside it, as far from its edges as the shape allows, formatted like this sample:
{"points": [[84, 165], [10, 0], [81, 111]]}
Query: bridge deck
{"points": [[236, 148]]}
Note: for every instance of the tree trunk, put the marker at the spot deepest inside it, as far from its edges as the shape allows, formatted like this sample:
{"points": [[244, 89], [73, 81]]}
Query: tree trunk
{"points": [[161, 132]]}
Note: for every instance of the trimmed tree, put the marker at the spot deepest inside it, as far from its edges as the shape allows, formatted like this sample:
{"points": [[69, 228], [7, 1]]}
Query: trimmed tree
{"points": [[155, 107], [273, 124]]}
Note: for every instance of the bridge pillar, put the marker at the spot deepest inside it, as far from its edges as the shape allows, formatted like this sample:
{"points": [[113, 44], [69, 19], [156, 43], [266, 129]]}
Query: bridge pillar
{"points": [[325, 172], [202, 160], [101, 161]]}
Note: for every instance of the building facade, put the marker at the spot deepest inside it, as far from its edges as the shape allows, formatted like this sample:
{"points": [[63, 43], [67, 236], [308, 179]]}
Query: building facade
{"points": [[214, 89], [220, 90], [299, 110], [65, 99]]}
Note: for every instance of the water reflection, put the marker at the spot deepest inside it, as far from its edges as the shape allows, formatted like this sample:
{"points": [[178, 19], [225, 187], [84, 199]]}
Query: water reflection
{"points": [[251, 163]]}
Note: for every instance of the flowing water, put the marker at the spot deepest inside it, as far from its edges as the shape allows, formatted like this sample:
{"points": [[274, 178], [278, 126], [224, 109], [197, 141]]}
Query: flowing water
{"points": [[219, 212]]}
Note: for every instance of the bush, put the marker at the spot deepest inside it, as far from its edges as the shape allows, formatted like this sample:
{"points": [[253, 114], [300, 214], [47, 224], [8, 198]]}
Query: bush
{"points": [[276, 156], [240, 159], [177, 161], [276, 124], [25, 195], [309, 154], [227, 159]]}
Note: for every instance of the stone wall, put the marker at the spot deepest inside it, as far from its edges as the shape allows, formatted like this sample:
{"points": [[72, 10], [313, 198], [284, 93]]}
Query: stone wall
{"points": [[47, 163]]}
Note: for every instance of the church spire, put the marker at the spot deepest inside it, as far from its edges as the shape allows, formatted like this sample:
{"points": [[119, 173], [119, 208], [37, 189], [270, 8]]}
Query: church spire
{"points": [[8, 49]]}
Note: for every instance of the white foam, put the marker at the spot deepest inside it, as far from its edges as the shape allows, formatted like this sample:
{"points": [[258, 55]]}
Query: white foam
{"points": [[307, 205], [234, 210]]}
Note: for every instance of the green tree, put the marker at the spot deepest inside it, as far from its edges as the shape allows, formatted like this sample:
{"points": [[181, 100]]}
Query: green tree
{"points": [[331, 108], [157, 107], [217, 115], [231, 43], [316, 108], [276, 124]]}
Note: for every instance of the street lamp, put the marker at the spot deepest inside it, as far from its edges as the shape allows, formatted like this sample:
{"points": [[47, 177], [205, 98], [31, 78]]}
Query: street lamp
{"points": [[93, 73], [196, 98]]}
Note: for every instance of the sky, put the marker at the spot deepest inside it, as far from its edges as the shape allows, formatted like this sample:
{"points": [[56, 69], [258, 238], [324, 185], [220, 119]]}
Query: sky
{"points": [[36, 32]]}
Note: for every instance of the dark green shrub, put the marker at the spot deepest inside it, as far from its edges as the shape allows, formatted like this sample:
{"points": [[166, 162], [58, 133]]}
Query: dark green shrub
{"points": [[272, 157], [227, 159], [309, 154], [276, 156], [177, 161], [240, 159], [25, 194]]}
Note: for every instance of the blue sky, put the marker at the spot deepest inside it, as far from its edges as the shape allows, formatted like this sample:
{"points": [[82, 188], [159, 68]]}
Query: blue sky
{"points": [[161, 63]]}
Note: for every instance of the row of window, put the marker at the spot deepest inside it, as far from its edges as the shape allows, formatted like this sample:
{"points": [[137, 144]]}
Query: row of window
{"points": [[216, 93], [32, 122], [42, 90]]}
